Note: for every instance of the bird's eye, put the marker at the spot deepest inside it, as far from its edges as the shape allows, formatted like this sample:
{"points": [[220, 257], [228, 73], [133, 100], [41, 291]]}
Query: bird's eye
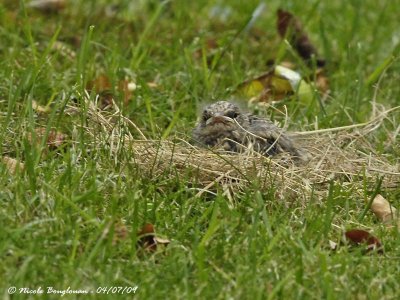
{"points": [[232, 114], [206, 115]]}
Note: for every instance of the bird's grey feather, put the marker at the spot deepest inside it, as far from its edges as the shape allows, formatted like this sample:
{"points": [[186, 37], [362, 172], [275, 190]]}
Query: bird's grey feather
{"points": [[216, 129]]}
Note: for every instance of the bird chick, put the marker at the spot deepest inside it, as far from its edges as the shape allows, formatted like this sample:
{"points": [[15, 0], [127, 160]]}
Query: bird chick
{"points": [[223, 124]]}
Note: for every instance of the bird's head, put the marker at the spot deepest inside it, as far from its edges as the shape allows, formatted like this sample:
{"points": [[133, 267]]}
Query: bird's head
{"points": [[221, 115]]}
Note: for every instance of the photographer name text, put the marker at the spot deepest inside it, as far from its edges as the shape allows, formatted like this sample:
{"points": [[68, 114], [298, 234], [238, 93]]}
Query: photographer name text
{"points": [[51, 290]]}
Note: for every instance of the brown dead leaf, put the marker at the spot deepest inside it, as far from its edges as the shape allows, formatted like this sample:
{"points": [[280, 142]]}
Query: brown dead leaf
{"points": [[55, 139], [126, 88], [99, 84], [12, 164], [103, 87], [211, 44], [360, 237], [321, 81], [147, 239], [48, 6], [290, 27], [74, 41]]}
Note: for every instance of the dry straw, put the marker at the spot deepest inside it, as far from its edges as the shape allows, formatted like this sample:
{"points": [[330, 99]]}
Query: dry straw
{"points": [[343, 154]]}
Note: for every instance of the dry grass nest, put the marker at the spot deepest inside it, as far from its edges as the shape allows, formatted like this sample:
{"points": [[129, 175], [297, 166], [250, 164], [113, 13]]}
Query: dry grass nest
{"points": [[345, 155]]}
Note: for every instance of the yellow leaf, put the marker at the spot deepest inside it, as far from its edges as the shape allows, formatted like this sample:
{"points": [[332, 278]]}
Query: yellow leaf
{"points": [[291, 77], [305, 92], [276, 85], [39, 108], [252, 89], [281, 85]]}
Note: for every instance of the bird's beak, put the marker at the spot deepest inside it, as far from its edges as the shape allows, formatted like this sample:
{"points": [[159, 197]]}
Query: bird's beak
{"points": [[219, 119]]}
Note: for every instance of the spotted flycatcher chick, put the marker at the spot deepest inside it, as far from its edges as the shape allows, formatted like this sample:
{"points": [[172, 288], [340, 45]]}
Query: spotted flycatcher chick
{"points": [[223, 124]]}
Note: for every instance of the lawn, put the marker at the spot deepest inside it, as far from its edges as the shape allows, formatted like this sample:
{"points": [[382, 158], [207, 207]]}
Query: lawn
{"points": [[71, 213]]}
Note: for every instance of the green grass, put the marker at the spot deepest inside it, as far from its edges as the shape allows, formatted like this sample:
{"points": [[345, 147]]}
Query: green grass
{"points": [[57, 216]]}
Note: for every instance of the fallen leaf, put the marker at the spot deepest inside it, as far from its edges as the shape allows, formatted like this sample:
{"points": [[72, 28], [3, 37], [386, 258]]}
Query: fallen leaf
{"points": [[103, 87], [288, 65], [360, 237], [285, 76], [290, 27], [55, 139], [148, 240], [48, 6], [252, 88], [383, 210], [74, 41], [162, 241], [211, 44], [99, 84], [277, 84], [321, 81], [318, 77], [132, 86], [333, 245], [126, 88], [151, 85], [12, 164], [39, 108]]}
